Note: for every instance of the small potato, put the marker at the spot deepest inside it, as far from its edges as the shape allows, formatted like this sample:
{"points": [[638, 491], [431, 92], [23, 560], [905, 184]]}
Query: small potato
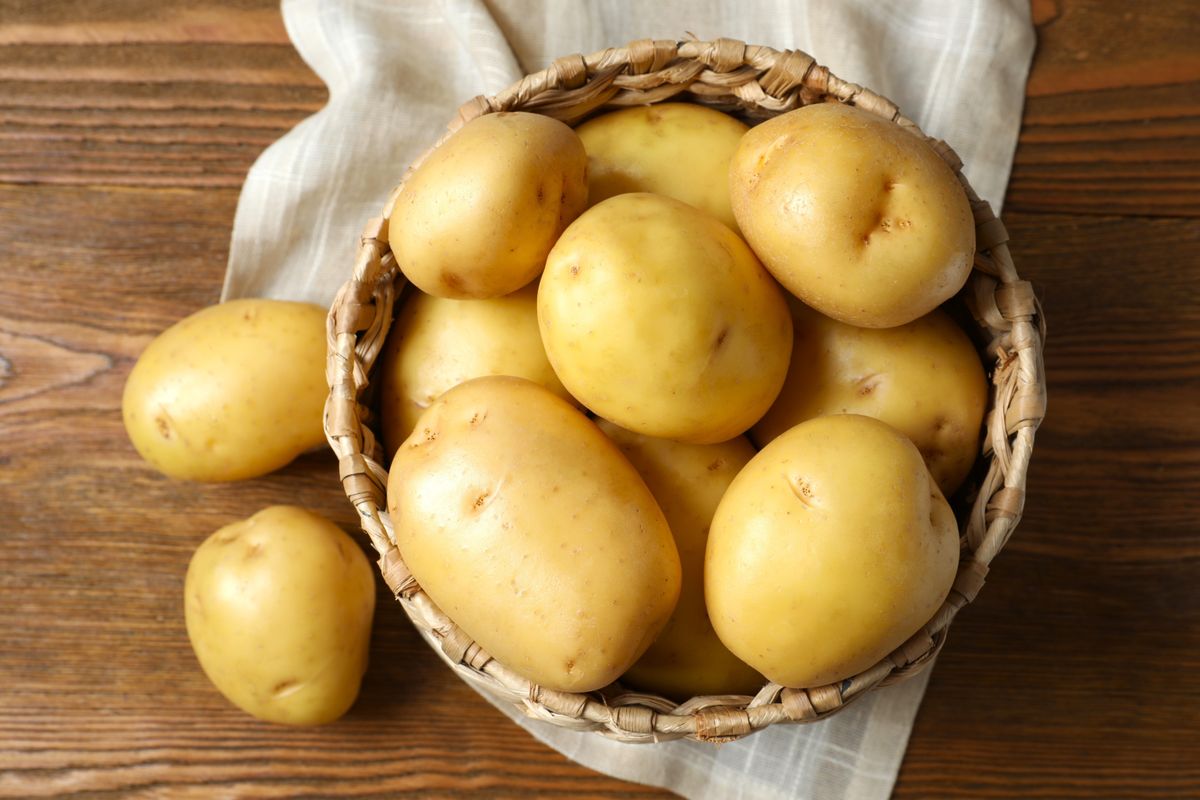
{"points": [[532, 532], [436, 344], [659, 318], [680, 150], [857, 217], [234, 391], [278, 610], [924, 379], [687, 659], [478, 216], [829, 550]]}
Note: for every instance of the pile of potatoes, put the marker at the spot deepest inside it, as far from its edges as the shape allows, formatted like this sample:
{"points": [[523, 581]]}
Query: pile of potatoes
{"points": [[278, 606], [669, 401]]}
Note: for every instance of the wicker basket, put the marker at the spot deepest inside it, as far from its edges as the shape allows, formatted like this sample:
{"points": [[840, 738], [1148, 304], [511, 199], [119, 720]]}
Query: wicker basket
{"points": [[753, 83]]}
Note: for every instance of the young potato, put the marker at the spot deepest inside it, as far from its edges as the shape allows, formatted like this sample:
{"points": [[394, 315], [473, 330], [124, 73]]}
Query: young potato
{"points": [[278, 609], [829, 550], [436, 344], [924, 379], [680, 150], [527, 526], [854, 215], [234, 391], [687, 659], [478, 216], [659, 318]]}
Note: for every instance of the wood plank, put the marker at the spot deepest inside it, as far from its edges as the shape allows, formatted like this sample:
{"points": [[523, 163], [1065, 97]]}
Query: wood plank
{"points": [[125, 131], [102, 693], [1112, 114], [188, 97], [1122, 456]]}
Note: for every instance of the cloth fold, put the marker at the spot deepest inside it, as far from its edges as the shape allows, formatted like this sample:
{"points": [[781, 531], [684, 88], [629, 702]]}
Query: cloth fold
{"points": [[396, 72]]}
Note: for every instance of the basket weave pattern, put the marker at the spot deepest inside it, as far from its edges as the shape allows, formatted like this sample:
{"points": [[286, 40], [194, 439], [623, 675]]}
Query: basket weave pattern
{"points": [[754, 83]]}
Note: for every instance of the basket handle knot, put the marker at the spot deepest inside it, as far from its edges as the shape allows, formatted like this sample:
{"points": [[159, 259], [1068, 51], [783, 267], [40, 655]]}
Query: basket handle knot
{"points": [[723, 55], [787, 73], [568, 72], [720, 722]]}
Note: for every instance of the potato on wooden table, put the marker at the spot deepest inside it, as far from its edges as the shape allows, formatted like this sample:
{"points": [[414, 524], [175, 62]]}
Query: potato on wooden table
{"points": [[923, 378], [234, 391], [531, 531], [279, 609], [680, 150], [477, 217], [659, 318], [859, 218], [829, 550], [687, 659], [436, 344]]}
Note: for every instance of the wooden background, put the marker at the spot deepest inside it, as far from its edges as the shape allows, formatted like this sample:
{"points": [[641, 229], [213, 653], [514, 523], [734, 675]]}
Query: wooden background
{"points": [[126, 128]]}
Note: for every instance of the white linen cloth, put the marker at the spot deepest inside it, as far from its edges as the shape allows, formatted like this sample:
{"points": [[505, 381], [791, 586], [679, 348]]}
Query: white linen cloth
{"points": [[396, 72]]}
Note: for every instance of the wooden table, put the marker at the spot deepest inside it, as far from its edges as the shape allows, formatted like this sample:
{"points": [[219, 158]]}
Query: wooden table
{"points": [[126, 128]]}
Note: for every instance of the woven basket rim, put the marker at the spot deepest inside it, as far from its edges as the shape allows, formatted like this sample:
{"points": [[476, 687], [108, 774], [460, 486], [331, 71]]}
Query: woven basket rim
{"points": [[758, 82]]}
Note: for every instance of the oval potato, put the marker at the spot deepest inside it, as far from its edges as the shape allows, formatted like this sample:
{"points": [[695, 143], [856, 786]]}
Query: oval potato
{"points": [[278, 610], [687, 659], [477, 217], [233, 391], [436, 344], [854, 215], [531, 531], [829, 550], [923, 378], [680, 150], [659, 318]]}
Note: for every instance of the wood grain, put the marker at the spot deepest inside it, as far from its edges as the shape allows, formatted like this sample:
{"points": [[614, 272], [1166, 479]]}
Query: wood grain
{"points": [[125, 131], [1112, 114]]}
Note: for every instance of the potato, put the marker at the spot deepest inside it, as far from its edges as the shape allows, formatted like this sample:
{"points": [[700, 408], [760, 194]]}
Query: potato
{"points": [[478, 216], [659, 318], [687, 659], [234, 391], [680, 150], [436, 344], [829, 550], [854, 215], [532, 532], [924, 379], [278, 609]]}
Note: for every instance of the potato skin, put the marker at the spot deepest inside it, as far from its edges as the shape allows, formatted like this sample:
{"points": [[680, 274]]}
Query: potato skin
{"points": [[687, 659], [829, 550], [659, 318], [233, 391], [278, 610], [478, 216], [923, 378], [530, 530], [436, 344], [681, 150], [857, 217]]}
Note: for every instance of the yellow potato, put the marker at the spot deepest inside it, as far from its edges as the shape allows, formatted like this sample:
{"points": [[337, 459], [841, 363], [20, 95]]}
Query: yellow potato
{"points": [[530, 530], [924, 379], [680, 150], [478, 216], [687, 659], [659, 318], [829, 550], [857, 217], [436, 344], [234, 391], [278, 609]]}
